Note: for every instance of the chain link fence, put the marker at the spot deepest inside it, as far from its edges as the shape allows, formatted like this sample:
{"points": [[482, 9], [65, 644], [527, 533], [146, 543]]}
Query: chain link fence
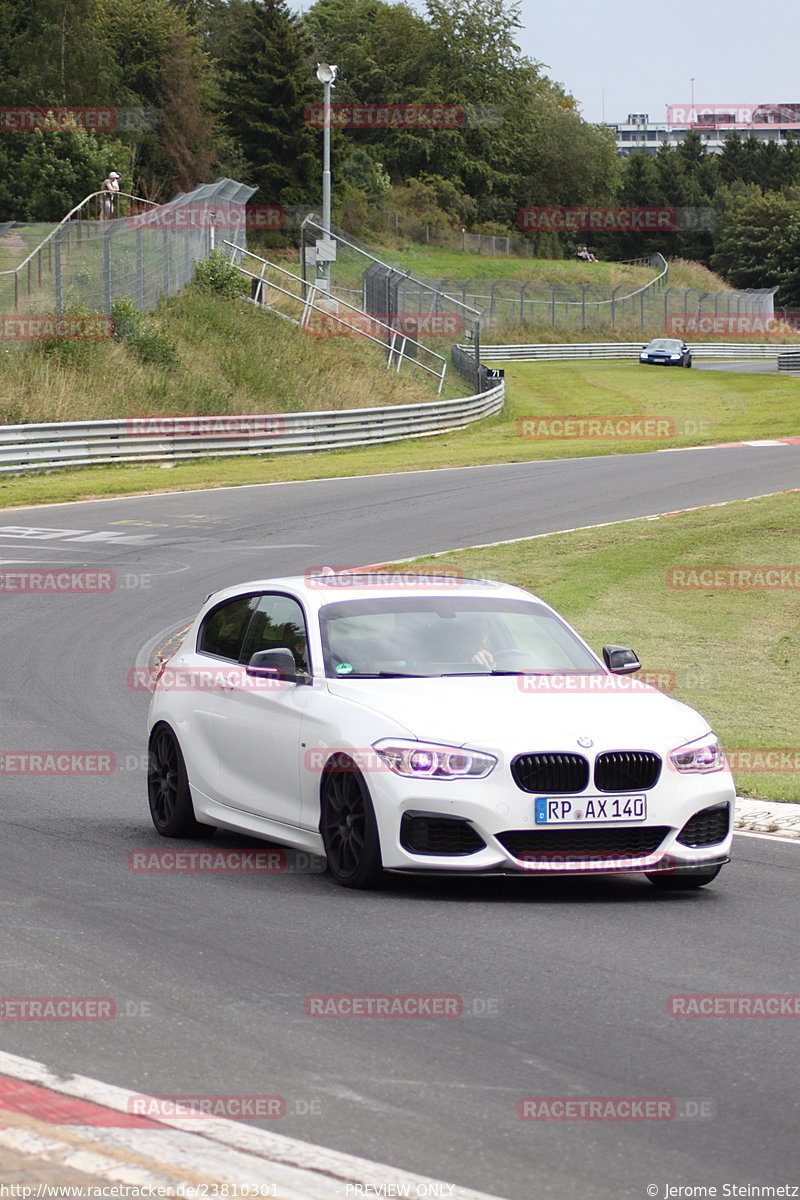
{"points": [[143, 253], [496, 245], [577, 307], [413, 307]]}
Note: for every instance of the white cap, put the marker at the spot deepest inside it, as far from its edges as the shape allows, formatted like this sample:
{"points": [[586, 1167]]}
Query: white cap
{"points": [[114, 175]]}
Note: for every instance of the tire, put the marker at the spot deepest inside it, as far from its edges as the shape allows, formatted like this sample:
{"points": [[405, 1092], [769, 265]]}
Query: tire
{"points": [[683, 881], [168, 789], [348, 827], [689, 363]]}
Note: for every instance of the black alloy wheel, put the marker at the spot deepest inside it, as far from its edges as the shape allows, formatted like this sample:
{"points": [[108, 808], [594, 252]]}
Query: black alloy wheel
{"points": [[348, 827], [168, 788]]}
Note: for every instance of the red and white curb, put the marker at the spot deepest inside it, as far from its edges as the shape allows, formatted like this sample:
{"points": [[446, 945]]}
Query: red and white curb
{"points": [[81, 1124]]}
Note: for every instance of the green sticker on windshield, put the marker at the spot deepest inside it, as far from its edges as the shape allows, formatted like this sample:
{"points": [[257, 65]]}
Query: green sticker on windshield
{"points": [[344, 668]]}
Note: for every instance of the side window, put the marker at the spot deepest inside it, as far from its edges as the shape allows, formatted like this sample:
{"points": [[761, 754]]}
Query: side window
{"points": [[277, 621], [223, 630]]}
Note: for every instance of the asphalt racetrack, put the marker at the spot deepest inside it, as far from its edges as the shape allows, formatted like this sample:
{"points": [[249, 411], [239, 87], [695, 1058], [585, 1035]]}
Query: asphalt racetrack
{"points": [[565, 986]]}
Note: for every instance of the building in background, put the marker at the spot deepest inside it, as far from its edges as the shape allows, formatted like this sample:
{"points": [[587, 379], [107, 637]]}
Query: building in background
{"points": [[713, 122]]}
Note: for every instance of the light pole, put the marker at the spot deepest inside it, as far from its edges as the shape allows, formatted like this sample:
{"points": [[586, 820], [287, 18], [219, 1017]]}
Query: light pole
{"points": [[691, 81], [326, 74]]}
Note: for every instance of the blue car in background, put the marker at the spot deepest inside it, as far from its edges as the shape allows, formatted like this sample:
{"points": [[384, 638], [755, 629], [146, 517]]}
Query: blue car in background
{"points": [[666, 352]]}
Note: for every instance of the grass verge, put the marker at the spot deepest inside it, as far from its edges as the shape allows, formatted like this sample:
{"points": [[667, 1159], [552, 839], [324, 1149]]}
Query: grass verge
{"points": [[230, 358], [684, 408], [733, 653]]}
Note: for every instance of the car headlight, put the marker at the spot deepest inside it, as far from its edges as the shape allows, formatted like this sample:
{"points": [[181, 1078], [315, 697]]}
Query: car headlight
{"points": [[675, 356], [642, 356], [704, 754], [423, 760]]}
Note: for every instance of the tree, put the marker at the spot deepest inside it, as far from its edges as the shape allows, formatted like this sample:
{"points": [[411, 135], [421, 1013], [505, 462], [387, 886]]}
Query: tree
{"points": [[753, 248], [56, 54], [164, 80], [732, 159], [44, 175], [186, 127], [268, 85]]}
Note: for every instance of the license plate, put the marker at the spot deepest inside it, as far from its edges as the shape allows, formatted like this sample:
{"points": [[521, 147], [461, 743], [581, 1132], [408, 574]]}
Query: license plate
{"points": [[590, 810]]}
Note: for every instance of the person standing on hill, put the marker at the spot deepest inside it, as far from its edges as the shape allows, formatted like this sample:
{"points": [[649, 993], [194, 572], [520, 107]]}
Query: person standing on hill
{"points": [[111, 188]]}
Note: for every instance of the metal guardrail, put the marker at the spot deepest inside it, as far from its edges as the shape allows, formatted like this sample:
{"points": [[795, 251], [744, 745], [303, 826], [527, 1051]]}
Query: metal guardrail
{"points": [[626, 350], [151, 439], [789, 360]]}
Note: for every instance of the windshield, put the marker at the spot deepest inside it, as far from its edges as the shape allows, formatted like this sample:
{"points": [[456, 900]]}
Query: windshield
{"points": [[435, 636], [664, 344]]}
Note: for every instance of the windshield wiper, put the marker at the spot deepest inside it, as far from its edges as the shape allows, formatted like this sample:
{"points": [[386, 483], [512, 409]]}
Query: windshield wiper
{"points": [[382, 675]]}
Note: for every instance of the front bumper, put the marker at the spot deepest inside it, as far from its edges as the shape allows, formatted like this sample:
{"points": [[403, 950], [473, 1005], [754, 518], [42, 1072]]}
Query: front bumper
{"points": [[502, 819]]}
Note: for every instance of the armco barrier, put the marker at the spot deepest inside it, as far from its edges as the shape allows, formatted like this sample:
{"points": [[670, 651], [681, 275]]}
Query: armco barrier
{"points": [[626, 350], [90, 443], [789, 360]]}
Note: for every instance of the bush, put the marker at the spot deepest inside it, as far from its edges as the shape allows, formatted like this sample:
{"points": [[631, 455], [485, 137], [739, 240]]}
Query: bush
{"points": [[153, 347], [145, 339], [127, 319], [215, 274], [69, 351]]}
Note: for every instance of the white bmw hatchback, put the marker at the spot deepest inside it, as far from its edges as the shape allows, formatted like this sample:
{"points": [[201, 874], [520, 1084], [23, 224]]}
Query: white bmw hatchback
{"points": [[430, 724]]}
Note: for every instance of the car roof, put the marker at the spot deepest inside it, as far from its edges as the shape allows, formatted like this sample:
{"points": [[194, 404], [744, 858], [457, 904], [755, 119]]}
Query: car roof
{"points": [[319, 586]]}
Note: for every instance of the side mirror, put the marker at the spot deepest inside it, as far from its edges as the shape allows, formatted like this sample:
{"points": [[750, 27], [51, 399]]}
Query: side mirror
{"points": [[621, 660], [266, 664]]}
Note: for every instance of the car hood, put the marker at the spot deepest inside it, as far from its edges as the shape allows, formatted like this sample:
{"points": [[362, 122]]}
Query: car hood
{"points": [[529, 711]]}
